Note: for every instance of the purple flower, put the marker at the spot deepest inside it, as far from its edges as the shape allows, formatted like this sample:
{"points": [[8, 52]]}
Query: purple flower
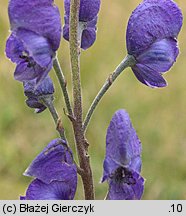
{"points": [[122, 164], [44, 89], [152, 39], [34, 39], [88, 9], [87, 21], [54, 172]]}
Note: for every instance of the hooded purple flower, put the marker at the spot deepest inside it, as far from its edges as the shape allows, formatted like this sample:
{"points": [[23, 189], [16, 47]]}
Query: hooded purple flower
{"points": [[54, 172], [87, 21], [34, 39], [44, 89], [122, 164], [152, 39]]}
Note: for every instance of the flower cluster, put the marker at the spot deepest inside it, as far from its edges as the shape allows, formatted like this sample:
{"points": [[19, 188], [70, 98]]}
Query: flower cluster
{"points": [[54, 172], [87, 21], [35, 37], [122, 164], [151, 38]]}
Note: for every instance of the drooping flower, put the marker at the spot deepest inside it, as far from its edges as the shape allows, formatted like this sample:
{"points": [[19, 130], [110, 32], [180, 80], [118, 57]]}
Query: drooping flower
{"points": [[122, 164], [152, 39], [55, 174], [44, 89], [34, 39], [87, 21]]}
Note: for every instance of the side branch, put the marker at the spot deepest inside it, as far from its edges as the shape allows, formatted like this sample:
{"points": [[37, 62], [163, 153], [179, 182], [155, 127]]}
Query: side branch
{"points": [[61, 78], [127, 62], [49, 104]]}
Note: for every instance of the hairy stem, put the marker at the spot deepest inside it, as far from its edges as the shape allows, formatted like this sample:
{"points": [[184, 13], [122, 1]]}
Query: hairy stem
{"points": [[48, 102], [81, 143], [63, 85], [127, 62]]}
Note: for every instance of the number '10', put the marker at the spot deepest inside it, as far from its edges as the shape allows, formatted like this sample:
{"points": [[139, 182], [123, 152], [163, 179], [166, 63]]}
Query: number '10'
{"points": [[176, 208]]}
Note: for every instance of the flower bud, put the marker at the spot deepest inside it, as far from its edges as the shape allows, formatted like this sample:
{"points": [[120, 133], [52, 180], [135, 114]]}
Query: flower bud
{"points": [[33, 93]]}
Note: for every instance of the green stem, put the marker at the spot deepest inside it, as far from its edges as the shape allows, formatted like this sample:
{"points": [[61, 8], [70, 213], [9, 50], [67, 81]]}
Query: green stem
{"points": [[63, 85], [48, 102], [81, 143], [127, 62]]}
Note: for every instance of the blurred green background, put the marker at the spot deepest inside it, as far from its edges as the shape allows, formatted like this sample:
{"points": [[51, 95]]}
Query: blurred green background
{"points": [[159, 115]]}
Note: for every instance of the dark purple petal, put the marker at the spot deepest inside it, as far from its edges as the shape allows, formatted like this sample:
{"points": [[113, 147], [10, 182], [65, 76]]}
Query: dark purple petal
{"points": [[152, 20], [136, 164], [39, 16], [43, 74], [88, 9], [88, 38], [109, 167], [37, 47], [28, 71], [123, 147], [14, 49], [160, 56], [126, 188], [34, 91], [56, 190], [25, 73], [149, 76], [66, 32], [138, 75], [54, 163], [67, 8], [92, 23], [89, 34], [46, 87], [34, 103]]}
